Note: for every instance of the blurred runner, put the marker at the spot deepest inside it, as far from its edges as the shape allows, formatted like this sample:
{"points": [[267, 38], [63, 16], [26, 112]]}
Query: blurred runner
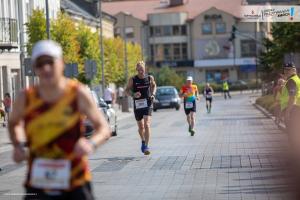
{"points": [[190, 94], [142, 88], [7, 107], [109, 96], [120, 94], [51, 115], [208, 94], [226, 90]]}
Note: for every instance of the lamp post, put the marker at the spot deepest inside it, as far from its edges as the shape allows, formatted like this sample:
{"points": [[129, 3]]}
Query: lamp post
{"points": [[47, 19], [101, 46], [125, 104]]}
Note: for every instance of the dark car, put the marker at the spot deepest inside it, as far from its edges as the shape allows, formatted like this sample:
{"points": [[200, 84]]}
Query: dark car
{"points": [[166, 97], [109, 114]]}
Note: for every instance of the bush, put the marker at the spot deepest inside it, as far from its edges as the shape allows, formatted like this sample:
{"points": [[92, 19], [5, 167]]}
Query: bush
{"points": [[267, 102]]}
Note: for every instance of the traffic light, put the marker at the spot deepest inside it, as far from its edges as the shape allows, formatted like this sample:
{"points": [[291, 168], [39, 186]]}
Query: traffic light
{"points": [[233, 31]]}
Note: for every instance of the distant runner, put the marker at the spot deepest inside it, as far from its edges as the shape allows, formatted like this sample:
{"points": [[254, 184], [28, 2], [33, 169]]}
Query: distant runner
{"points": [[208, 94], [190, 94]]}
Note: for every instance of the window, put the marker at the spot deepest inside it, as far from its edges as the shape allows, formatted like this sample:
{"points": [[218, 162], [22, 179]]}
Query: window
{"points": [[151, 31], [183, 30], [176, 51], [129, 32], [206, 28], [220, 27], [184, 51], [167, 52], [157, 31], [176, 30], [167, 30], [248, 48]]}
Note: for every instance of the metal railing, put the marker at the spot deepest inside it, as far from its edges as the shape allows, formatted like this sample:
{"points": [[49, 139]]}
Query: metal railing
{"points": [[8, 33]]}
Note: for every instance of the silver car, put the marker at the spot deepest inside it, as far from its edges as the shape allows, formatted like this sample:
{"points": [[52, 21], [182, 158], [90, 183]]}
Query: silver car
{"points": [[109, 114]]}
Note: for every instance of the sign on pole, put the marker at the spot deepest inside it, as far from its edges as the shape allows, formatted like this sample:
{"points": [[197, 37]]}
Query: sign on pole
{"points": [[90, 68], [28, 67], [71, 70]]}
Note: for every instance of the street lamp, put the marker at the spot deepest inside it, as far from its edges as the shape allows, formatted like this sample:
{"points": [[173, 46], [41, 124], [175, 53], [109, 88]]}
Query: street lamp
{"points": [[101, 46], [47, 19], [125, 106]]}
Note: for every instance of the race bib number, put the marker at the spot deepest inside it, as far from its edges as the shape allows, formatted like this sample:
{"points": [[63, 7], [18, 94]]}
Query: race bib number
{"points": [[141, 103], [50, 174], [189, 105]]}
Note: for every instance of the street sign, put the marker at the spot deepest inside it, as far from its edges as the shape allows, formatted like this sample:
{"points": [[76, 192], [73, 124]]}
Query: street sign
{"points": [[90, 68], [28, 67], [71, 70]]}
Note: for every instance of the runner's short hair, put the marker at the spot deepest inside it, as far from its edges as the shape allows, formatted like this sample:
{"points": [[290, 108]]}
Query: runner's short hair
{"points": [[140, 63]]}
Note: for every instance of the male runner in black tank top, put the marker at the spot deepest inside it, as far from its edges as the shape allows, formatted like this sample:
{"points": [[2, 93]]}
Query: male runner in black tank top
{"points": [[142, 88]]}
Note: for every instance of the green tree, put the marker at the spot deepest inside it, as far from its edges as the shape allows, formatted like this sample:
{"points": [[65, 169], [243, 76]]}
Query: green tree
{"points": [[36, 29], [285, 40], [168, 76], [64, 32]]}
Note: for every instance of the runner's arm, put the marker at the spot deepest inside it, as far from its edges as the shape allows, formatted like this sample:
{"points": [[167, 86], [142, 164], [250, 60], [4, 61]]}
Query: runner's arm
{"points": [[15, 128], [88, 107]]}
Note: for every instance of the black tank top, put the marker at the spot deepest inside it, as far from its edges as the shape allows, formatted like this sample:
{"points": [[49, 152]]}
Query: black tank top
{"points": [[142, 86], [208, 92]]}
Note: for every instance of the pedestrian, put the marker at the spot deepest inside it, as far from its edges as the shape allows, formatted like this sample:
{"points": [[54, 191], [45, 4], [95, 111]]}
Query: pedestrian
{"points": [[120, 94], [290, 101], [7, 107], [190, 94], [109, 96], [208, 94], [226, 89], [52, 112], [277, 90], [142, 88]]}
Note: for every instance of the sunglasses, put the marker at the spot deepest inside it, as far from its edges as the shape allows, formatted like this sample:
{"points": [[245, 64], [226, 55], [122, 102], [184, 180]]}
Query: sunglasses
{"points": [[41, 63]]}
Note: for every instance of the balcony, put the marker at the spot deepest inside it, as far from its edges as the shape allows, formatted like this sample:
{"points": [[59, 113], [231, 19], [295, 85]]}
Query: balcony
{"points": [[8, 34]]}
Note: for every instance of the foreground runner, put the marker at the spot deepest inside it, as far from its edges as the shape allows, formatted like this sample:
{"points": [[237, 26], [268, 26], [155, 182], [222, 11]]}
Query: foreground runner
{"points": [[190, 94], [208, 93], [142, 88], [52, 113]]}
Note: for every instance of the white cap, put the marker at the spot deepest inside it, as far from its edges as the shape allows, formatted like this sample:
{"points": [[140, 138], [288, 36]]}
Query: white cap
{"points": [[46, 48], [189, 78]]}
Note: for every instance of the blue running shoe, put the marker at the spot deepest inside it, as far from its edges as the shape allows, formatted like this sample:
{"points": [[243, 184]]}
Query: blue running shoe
{"points": [[143, 147]]}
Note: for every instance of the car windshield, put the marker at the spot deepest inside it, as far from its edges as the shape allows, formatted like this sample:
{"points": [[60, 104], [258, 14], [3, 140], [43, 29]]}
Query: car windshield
{"points": [[165, 91]]}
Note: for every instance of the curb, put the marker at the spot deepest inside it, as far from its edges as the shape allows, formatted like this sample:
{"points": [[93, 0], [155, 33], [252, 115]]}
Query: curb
{"points": [[281, 126]]}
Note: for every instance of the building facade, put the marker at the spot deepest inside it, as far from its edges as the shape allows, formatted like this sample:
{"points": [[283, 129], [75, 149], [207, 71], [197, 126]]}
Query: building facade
{"points": [[190, 36]]}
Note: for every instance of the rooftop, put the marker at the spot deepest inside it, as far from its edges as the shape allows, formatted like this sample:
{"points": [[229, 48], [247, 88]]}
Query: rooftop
{"points": [[141, 8]]}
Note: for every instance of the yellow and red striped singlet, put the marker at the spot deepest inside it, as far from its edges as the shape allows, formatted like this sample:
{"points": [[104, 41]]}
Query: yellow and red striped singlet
{"points": [[52, 130]]}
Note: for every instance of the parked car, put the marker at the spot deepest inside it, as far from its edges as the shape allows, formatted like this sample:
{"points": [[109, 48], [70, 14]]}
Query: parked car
{"points": [[166, 97], [109, 114]]}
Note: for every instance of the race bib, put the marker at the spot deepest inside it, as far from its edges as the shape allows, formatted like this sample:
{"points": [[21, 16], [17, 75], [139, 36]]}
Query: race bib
{"points": [[50, 174], [189, 105], [141, 103]]}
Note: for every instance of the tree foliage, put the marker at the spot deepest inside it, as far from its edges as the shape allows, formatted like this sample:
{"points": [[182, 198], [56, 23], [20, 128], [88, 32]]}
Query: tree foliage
{"points": [[168, 77], [36, 28], [79, 44], [286, 40]]}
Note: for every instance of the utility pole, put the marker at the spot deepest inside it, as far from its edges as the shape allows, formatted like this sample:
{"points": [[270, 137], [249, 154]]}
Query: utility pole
{"points": [[22, 47], [125, 104], [101, 47], [47, 20]]}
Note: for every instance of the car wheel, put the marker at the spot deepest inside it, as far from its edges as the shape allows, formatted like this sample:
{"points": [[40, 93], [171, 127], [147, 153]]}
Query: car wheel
{"points": [[177, 108], [154, 109]]}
